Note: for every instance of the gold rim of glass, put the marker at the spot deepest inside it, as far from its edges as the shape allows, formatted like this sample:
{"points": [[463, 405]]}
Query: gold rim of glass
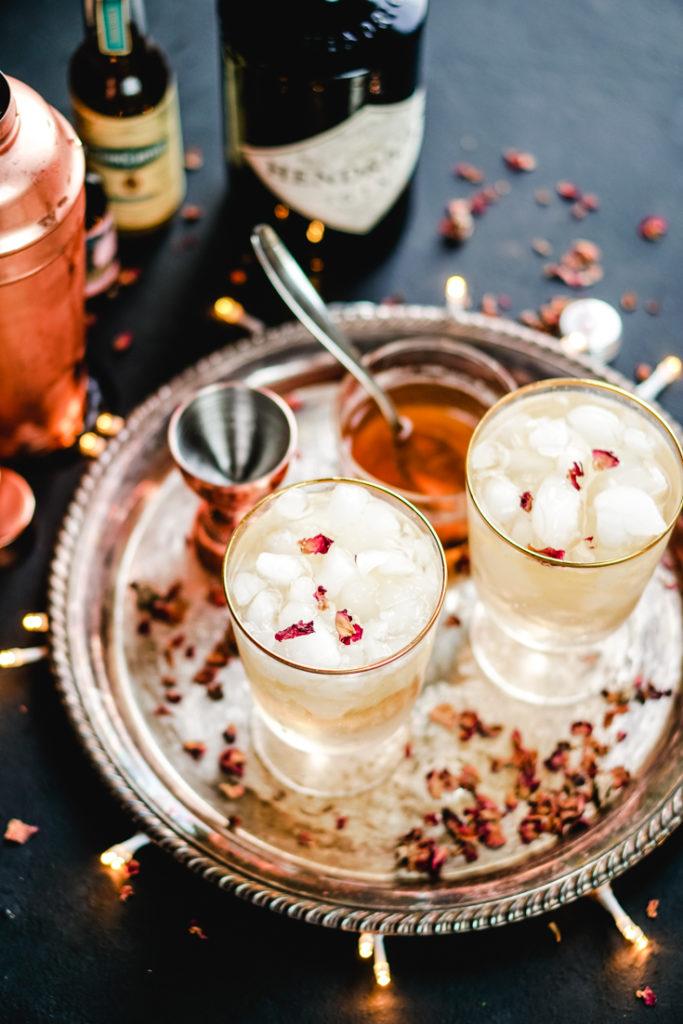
{"points": [[239, 530], [572, 382]]}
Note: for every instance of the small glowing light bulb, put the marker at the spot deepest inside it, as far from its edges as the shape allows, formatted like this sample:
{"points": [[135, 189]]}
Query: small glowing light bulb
{"points": [[315, 231], [366, 946], [381, 964], [664, 373], [91, 445], [108, 424], [456, 294], [117, 856], [35, 622], [632, 932], [228, 309]]}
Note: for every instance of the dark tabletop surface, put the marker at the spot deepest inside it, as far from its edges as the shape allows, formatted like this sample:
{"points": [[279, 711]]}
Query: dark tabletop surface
{"points": [[594, 90]]}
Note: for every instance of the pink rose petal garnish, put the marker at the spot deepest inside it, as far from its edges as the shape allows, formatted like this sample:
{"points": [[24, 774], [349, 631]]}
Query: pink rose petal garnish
{"points": [[318, 545], [603, 459], [18, 831], [574, 474], [348, 631], [299, 628], [320, 599], [548, 552]]}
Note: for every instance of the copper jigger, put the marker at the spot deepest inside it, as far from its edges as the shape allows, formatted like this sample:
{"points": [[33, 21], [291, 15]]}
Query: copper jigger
{"points": [[232, 443]]}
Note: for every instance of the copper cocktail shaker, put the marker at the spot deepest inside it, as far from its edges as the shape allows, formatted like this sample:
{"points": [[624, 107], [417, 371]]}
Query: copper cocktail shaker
{"points": [[43, 378]]}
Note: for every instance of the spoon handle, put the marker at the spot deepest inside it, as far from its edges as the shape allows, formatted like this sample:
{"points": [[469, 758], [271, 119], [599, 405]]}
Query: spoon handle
{"points": [[296, 290]]}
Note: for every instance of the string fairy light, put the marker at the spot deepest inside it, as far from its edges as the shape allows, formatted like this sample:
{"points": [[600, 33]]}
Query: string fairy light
{"points": [[230, 311], [91, 444], [381, 964], [664, 373], [15, 657], [117, 856], [456, 294], [632, 932], [108, 424], [35, 622], [366, 945]]}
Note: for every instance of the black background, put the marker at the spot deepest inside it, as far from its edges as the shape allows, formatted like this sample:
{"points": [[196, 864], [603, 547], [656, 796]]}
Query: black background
{"points": [[594, 90]]}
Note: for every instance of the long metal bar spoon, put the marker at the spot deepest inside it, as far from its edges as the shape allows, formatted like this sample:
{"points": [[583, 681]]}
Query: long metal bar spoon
{"points": [[296, 290]]}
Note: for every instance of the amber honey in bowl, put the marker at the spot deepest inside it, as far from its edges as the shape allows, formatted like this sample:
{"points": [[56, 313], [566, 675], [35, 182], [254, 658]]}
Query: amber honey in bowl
{"points": [[442, 387]]}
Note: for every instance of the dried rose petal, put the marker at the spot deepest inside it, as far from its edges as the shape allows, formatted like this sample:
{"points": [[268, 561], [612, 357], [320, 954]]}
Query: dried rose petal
{"points": [[629, 302], [320, 599], [299, 628], [122, 341], [652, 907], [548, 552], [567, 190], [542, 196], [542, 246], [230, 733], [18, 831], [194, 158], [318, 545], [232, 790], [653, 228], [457, 226], [652, 307], [590, 201], [647, 995], [603, 459], [517, 160], [348, 631], [489, 305], [195, 748], [305, 838], [129, 275], [341, 821], [574, 473], [468, 172], [526, 501], [233, 761], [194, 929], [125, 892]]}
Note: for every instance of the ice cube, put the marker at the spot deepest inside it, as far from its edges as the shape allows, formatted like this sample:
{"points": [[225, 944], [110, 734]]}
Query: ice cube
{"points": [[501, 498], [379, 524], [638, 442], [264, 608], [645, 477], [635, 512], [283, 542], [346, 506], [488, 454], [318, 649], [555, 512], [303, 589], [396, 563], [292, 504], [278, 568], [359, 597], [245, 586], [368, 560], [527, 466], [549, 437], [599, 427], [336, 568], [295, 611]]}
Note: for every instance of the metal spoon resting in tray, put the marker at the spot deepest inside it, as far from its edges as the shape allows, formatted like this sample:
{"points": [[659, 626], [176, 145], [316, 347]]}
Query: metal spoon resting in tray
{"points": [[296, 290]]}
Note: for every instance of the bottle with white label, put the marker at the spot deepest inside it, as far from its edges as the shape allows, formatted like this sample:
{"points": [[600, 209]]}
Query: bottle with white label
{"points": [[324, 115], [125, 107]]}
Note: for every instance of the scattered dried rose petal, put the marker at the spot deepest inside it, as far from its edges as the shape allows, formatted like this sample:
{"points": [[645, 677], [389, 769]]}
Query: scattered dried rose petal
{"points": [[567, 190], [214, 690], [230, 733], [468, 172], [191, 213], [517, 160], [652, 307], [543, 196], [457, 226], [348, 631], [305, 838], [161, 709], [526, 501], [18, 831], [125, 892], [216, 596], [129, 275], [542, 246], [652, 908], [299, 628], [122, 341], [233, 761], [489, 304], [653, 228], [195, 930], [629, 302], [232, 790], [603, 459], [195, 748], [237, 276], [647, 995], [575, 472], [341, 821], [318, 545], [446, 715], [578, 210], [194, 158], [555, 930], [642, 371], [590, 201], [548, 552]]}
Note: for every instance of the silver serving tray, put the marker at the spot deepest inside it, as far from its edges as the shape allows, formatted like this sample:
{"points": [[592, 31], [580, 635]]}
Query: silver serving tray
{"points": [[129, 521]]}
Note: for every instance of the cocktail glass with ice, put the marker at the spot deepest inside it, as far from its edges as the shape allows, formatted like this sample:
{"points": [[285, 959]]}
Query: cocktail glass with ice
{"points": [[574, 487], [334, 588]]}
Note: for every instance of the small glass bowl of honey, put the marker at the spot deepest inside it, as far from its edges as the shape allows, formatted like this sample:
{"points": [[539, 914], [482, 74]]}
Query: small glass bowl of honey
{"points": [[442, 388]]}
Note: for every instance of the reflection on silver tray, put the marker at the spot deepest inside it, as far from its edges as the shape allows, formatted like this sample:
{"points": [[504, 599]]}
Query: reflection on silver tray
{"points": [[333, 862]]}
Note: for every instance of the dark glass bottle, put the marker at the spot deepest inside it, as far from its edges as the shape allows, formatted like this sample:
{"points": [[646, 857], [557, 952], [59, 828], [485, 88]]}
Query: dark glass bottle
{"points": [[125, 106], [324, 120]]}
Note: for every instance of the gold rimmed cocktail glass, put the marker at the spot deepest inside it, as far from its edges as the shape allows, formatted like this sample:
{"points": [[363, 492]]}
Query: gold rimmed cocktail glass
{"points": [[549, 628]]}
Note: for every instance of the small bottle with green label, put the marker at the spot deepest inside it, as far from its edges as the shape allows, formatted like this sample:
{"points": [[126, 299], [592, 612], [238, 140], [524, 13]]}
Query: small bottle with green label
{"points": [[125, 107]]}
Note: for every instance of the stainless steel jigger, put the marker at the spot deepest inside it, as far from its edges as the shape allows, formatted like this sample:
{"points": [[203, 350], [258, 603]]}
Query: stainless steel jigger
{"points": [[232, 443]]}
